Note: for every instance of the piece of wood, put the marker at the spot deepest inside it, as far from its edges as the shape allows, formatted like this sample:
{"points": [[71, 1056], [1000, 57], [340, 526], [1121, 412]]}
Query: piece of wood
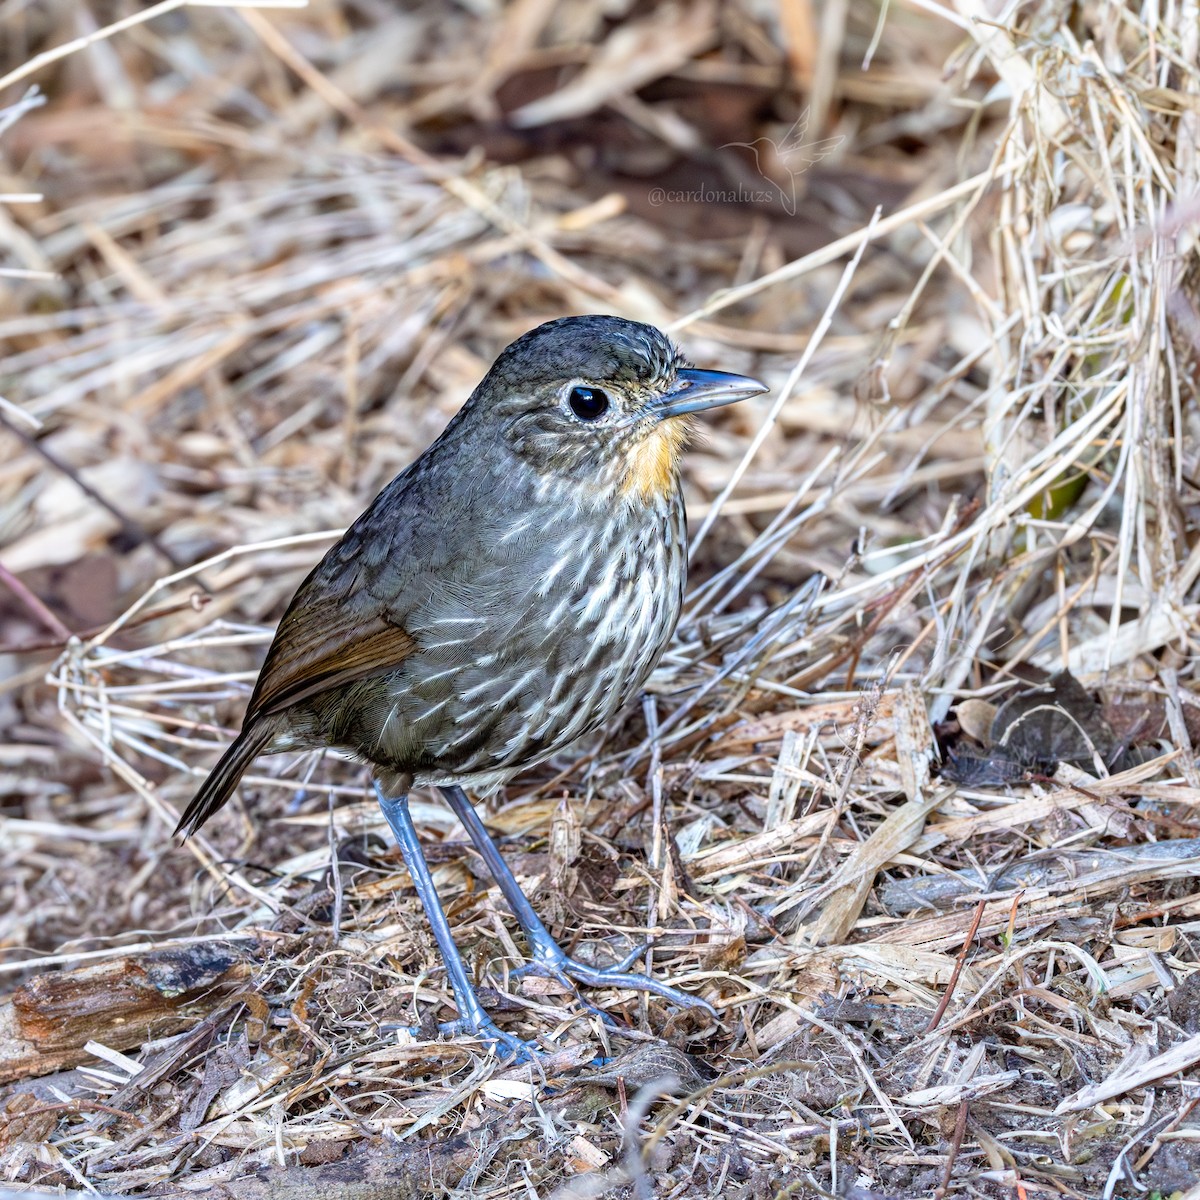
{"points": [[47, 1023]]}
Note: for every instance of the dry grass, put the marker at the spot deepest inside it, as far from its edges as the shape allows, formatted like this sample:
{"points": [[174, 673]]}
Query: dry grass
{"points": [[273, 254]]}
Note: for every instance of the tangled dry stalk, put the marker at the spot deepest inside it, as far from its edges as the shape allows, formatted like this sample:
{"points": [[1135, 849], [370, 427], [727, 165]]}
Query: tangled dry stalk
{"points": [[949, 932]]}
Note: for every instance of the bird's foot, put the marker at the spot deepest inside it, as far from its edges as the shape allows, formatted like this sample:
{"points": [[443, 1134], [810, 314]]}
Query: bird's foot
{"points": [[508, 1045], [552, 960]]}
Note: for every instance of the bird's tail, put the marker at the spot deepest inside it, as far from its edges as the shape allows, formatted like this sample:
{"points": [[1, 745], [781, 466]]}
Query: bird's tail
{"points": [[224, 777]]}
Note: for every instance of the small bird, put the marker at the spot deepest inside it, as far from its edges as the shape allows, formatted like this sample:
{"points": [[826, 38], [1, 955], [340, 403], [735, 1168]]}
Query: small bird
{"points": [[503, 596], [789, 157]]}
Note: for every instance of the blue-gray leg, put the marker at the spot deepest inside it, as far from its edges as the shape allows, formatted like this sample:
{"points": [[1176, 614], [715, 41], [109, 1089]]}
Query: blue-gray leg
{"points": [[471, 1016], [548, 956]]}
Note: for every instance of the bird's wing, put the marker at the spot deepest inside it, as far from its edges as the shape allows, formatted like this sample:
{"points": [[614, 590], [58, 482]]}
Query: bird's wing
{"points": [[794, 138], [808, 154], [303, 662], [396, 584], [340, 626]]}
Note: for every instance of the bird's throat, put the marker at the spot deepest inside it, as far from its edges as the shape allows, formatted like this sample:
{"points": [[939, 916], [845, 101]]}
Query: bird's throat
{"points": [[652, 464]]}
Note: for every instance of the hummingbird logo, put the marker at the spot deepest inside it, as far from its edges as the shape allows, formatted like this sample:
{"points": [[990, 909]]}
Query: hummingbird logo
{"points": [[790, 156]]}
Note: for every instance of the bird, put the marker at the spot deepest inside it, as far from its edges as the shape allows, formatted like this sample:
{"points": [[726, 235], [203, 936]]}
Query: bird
{"points": [[504, 595], [788, 157]]}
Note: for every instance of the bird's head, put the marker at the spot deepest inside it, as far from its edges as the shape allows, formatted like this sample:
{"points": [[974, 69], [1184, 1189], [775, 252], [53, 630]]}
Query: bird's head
{"points": [[603, 402]]}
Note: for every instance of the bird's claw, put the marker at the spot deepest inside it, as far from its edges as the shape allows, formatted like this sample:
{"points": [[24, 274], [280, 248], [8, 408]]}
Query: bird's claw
{"points": [[557, 964], [549, 961], [508, 1045]]}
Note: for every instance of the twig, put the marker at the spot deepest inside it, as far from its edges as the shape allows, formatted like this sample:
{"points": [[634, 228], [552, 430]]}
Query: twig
{"points": [[34, 605], [958, 966], [194, 603], [960, 1128], [785, 392], [834, 250], [457, 186], [131, 527], [38, 61]]}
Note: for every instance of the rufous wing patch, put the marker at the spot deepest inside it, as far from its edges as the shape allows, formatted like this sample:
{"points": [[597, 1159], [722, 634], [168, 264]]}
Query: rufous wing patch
{"points": [[326, 651]]}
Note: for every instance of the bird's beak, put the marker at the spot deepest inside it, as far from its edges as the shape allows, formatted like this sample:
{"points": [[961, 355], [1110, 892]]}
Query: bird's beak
{"points": [[695, 391]]}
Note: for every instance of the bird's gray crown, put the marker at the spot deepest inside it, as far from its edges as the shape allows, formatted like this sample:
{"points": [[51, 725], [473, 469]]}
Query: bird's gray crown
{"points": [[598, 348]]}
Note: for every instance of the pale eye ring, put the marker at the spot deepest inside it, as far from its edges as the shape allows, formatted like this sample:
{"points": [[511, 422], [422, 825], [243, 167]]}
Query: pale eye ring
{"points": [[587, 403]]}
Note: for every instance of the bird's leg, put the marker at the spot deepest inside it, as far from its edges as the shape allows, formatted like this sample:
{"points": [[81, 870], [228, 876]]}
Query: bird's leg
{"points": [[472, 1018], [548, 956]]}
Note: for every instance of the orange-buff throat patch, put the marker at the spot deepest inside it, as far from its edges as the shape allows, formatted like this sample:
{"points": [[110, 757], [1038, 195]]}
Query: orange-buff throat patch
{"points": [[652, 463]]}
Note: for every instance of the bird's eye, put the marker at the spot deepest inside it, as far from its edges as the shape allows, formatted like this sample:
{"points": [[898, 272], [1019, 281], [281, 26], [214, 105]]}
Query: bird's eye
{"points": [[588, 404]]}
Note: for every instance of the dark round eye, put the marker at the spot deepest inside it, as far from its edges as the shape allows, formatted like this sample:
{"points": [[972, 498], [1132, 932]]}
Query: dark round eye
{"points": [[588, 404]]}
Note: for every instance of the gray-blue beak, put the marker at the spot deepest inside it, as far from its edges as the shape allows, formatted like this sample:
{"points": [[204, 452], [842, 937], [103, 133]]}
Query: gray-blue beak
{"points": [[697, 390]]}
